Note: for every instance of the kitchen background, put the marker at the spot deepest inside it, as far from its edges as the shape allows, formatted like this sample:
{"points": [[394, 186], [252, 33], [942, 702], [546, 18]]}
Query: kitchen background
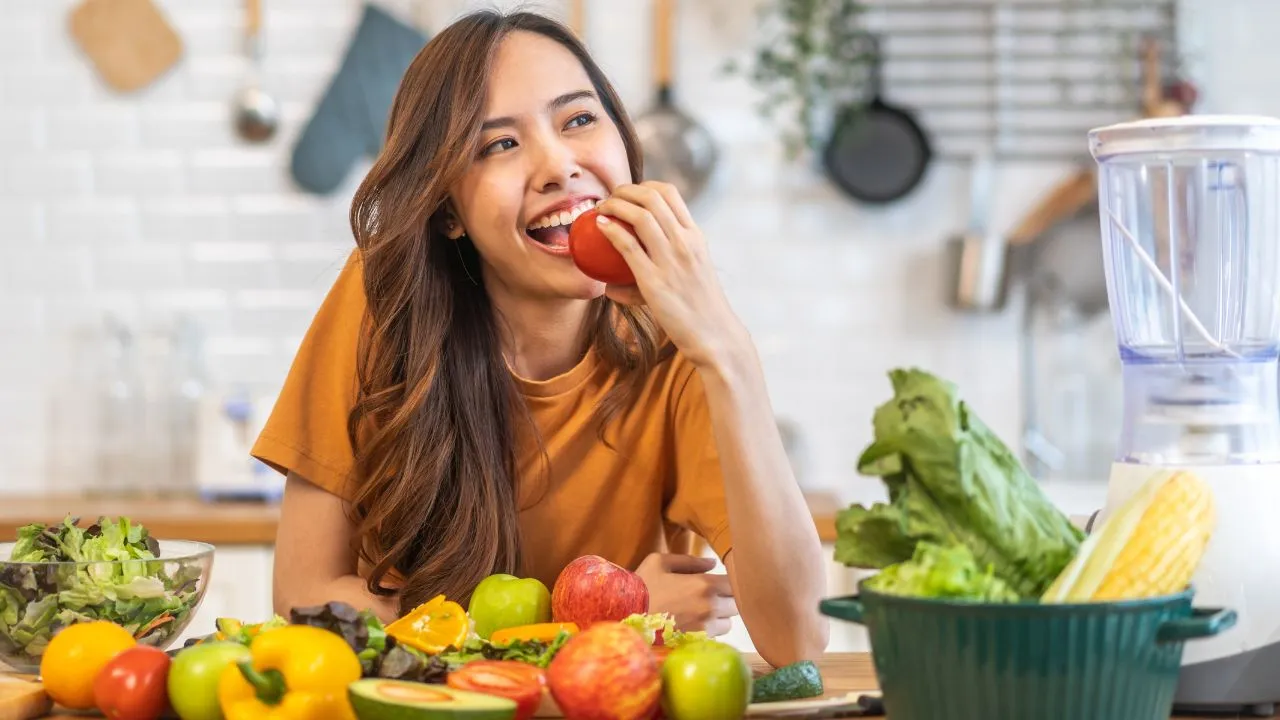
{"points": [[159, 271]]}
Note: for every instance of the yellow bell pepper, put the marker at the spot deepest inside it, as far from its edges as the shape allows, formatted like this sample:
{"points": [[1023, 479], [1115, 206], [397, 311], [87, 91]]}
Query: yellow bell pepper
{"points": [[295, 672]]}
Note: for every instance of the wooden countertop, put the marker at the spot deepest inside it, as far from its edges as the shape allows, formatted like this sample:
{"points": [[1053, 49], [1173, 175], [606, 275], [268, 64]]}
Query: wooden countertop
{"points": [[232, 523], [229, 523], [842, 673]]}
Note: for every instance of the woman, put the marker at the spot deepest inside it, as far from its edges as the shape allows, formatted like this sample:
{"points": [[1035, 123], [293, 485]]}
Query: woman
{"points": [[467, 402]]}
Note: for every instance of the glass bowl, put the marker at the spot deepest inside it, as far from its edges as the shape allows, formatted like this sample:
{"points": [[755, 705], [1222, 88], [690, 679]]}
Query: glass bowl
{"points": [[152, 599]]}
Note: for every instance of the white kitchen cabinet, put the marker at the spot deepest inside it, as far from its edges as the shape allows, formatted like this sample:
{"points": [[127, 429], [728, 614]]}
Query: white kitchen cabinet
{"points": [[240, 587]]}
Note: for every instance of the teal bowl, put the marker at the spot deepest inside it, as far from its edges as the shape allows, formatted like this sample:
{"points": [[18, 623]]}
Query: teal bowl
{"points": [[988, 661]]}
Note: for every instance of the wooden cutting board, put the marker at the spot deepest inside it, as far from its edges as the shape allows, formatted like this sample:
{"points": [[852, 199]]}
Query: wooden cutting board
{"points": [[22, 699], [129, 41]]}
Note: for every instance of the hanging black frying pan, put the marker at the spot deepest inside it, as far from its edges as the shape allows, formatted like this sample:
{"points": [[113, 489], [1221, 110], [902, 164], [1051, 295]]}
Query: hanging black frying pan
{"points": [[881, 154]]}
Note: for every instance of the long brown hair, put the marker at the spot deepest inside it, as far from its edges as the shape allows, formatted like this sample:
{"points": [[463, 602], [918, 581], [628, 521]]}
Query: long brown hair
{"points": [[434, 421]]}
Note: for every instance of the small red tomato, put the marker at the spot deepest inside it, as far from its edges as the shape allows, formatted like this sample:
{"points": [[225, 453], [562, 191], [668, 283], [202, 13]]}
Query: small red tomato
{"points": [[594, 255], [132, 686]]}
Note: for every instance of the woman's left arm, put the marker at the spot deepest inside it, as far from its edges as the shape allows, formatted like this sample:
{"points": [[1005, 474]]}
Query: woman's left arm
{"points": [[777, 576]]}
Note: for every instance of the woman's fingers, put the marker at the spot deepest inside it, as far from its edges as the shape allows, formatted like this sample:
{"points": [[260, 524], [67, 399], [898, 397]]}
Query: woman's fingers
{"points": [[674, 201], [627, 244], [717, 628], [724, 607], [652, 198], [653, 236]]}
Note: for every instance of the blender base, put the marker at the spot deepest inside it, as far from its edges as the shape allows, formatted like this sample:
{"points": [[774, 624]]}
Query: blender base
{"points": [[1238, 671], [1223, 684]]}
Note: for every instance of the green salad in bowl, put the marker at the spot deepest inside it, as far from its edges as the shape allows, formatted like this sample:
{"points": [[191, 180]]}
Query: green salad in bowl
{"points": [[114, 570]]}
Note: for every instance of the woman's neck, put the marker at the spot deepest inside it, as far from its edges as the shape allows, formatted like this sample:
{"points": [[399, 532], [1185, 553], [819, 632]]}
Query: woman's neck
{"points": [[541, 338]]}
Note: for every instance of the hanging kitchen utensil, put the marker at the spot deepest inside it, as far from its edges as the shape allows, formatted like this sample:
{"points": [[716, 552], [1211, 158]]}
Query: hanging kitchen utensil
{"points": [[1067, 265], [577, 20], [351, 118], [676, 149], [1064, 200], [879, 154], [977, 257], [129, 42], [983, 271], [256, 113]]}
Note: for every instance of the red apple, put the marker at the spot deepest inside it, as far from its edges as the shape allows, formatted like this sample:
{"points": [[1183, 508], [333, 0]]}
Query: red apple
{"points": [[606, 672], [591, 590]]}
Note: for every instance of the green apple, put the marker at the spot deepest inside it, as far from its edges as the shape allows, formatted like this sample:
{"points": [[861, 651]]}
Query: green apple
{"points": [[705, 680], [193, 678], [503, 601]]}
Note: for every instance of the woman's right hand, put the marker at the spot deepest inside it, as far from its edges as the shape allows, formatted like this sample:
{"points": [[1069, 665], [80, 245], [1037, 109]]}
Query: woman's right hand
{"points": [[682, 586]]}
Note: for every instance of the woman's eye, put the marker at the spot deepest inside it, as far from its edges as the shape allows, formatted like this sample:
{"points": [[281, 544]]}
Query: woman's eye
{"points": [[498, 146], [581, 120]]}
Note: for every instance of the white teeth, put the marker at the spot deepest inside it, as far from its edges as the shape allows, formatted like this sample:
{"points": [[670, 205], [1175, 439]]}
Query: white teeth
{"points": [[564, 217]]}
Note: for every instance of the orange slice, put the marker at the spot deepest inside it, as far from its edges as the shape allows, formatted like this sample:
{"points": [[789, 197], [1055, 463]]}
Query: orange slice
{"points": [[432, 626]]}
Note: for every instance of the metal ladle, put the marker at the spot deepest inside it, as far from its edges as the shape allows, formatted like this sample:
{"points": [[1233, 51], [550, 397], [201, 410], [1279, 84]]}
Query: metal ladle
{"points": [[676, 149], [256, 114]]}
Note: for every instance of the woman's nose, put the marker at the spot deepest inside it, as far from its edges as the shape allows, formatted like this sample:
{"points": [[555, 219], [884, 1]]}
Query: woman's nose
{"points": [[556, 164]]}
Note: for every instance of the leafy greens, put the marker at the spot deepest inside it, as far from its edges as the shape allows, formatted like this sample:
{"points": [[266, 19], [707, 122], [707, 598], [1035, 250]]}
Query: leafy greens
{"points": [[62, 574], [380, 655], [653, 625], [942, 572], [533, 652], [951, 483]]}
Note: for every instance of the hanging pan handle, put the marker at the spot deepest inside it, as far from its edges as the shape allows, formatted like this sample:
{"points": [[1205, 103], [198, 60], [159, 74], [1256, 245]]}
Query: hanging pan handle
{"points": [[662, 14], [576, 17]]}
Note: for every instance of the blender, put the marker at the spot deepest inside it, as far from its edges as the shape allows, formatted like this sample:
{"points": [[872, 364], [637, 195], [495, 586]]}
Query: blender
{"points": [[1190, 221]]}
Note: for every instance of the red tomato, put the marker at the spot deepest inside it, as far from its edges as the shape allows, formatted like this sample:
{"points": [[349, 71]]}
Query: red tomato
{"points": [[594, 255], [512, 679], [132, 686]]}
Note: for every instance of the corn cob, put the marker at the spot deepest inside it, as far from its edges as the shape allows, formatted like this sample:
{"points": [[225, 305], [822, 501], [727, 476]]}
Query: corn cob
{"points": [[1151, 546]]}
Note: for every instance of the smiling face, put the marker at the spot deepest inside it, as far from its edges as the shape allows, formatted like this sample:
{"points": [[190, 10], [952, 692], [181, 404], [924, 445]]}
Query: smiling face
{"points": [[547, 152]]}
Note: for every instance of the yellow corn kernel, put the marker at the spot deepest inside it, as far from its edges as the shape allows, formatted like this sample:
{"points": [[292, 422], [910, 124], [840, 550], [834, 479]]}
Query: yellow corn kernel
{"points": [[1167, 543]]}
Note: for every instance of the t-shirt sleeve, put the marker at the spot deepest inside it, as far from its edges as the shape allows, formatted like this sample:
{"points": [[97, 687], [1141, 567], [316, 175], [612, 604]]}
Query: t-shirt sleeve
{"points": [[698, 500], [306, 431]]}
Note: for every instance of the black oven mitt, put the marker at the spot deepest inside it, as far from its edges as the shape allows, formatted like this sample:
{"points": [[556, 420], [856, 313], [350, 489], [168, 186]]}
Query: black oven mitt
{"points": [[350, 121]]}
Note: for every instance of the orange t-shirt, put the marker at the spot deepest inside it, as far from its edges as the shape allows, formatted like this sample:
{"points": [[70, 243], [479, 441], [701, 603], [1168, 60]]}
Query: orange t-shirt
{"points": [[662, 481]]}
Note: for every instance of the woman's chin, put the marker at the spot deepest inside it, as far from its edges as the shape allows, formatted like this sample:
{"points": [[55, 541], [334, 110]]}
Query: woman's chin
{"points": [[590, 289]]}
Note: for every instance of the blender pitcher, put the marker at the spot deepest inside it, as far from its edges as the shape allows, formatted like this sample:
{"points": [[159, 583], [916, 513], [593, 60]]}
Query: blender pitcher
{"points": [[1190, 225]]}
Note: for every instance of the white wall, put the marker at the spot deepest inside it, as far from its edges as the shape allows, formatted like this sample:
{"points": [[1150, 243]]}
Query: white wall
{"points": [[146, 204]]}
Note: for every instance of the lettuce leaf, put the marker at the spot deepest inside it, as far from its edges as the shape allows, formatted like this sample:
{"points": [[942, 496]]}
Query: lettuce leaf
{"points": [[952, 482], [936, 571], [653, 625], [650, 624], [533, 652]]}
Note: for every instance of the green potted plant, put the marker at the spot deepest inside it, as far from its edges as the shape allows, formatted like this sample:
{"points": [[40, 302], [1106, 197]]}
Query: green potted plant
{"points": [[810, 64]]}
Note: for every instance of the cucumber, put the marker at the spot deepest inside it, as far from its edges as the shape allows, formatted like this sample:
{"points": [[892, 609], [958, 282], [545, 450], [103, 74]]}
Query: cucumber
{"points": [[792, 682]]}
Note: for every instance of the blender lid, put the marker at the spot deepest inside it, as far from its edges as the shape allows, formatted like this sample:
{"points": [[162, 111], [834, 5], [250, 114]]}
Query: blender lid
{"points": [[1187, 133]]}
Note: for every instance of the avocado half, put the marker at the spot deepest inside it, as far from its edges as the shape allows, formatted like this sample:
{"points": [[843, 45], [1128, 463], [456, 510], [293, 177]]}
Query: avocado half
{"points": [[378, 699]]}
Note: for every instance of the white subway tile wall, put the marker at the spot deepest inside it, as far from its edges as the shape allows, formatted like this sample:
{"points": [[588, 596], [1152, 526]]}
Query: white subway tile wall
{"points": [[147, 204]]}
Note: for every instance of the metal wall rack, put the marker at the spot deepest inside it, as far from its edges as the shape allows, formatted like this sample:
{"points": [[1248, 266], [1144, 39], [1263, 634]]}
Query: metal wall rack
{"points": [[1024, 78]]}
